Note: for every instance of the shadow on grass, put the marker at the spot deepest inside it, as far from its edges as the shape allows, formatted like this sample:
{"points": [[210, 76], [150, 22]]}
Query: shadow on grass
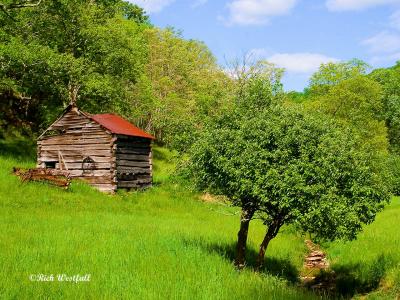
{"points": [[277, 267], [342, 282], [351, 279]]}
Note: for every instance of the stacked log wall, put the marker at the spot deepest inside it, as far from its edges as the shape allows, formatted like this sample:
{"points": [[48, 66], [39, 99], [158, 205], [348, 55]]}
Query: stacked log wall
{"points": [[76, 137], [134, 162]]}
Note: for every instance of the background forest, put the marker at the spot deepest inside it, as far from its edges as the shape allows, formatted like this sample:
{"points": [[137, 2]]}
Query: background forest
{"points": [[108, 57]]}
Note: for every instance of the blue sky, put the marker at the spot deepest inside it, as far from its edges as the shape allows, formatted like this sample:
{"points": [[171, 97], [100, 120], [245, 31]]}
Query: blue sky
{"points": [[298, 35]]}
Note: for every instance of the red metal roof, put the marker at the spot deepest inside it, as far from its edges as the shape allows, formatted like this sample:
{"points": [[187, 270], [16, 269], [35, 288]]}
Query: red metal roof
{"points": [[118, 125]]}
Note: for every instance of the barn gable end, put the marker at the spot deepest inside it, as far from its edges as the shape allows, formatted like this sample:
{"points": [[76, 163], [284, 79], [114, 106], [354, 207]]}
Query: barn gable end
{"points": [[83, 145]]}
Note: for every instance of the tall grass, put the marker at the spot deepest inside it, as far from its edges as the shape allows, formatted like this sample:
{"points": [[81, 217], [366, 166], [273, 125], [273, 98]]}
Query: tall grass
{"points": [[370, 264], [163, 243]]}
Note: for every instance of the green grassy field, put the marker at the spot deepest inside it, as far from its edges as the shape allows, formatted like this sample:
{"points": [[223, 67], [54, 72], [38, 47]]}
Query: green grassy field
{"points": [[164, 243], [371, 264]]}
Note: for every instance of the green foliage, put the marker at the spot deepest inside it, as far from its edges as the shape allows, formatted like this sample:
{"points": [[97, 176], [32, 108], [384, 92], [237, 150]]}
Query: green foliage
{"points": [[34, 82], [64, 46], [394, 164], [298, 97], [389, 79], [292, 167], [134, 12], [109, 55], [16, 146], [181, 87], [331, 74], [356, 102]]}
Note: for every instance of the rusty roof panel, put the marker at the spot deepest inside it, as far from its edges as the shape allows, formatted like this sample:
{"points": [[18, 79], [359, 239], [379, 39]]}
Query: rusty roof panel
{"points": [[118, 125]]}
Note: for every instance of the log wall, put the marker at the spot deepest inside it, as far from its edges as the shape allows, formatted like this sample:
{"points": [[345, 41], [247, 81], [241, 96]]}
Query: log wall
{"points": [[73, 138], [133, 162]]}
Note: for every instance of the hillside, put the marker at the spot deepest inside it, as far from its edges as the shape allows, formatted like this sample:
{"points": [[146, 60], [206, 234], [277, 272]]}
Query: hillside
{"points": [[160, 244]]}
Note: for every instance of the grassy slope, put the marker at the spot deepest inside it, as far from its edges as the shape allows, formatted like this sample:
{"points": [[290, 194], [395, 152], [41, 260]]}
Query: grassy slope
{"points": [[164, 243], [372, 262]]}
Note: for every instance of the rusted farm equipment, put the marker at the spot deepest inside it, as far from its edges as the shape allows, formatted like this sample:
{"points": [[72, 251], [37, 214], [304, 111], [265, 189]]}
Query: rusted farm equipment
{"points": [[60, 178]]}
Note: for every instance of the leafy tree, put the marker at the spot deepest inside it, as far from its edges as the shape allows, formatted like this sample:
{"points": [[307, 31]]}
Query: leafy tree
{"points": [[389, 79], [353, 99], [135, 13], [33, 80], [110, 56], [182, 85], [331, 74], [89, 46], [356, 102], [287, 167]]}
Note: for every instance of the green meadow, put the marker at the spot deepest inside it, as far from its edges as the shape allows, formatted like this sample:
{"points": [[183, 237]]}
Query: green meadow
{"points": [[167, 243]]}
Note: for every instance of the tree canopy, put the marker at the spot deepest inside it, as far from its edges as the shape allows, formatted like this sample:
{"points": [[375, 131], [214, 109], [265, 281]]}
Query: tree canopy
{"points": [[109, 55], [289, 165]]}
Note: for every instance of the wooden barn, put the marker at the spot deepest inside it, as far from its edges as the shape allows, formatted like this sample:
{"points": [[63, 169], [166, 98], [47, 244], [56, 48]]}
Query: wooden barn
{"points": [[105, 150]]}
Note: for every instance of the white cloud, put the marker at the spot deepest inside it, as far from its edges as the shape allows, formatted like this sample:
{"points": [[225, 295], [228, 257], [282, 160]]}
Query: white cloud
{"points": [[152, 6], [342, 5], [383, 42], [300, 62], [257, 12]]}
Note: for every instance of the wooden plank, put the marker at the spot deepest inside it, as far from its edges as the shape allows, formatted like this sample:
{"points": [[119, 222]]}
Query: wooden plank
{"points": [[126, 139], [83, 131], [133, 157], [65, 122], [70, 116], [74, 166], [128, 163], [76, 147], [133, 184], [68, 124], [132, 150], [70, 153], [132, 145], [98, 179], [73, 140], [95, 173], [132, 177], [132, 170], [88, 133], [72, 159]]}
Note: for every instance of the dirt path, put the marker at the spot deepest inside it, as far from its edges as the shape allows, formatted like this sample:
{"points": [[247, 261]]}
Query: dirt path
{"points": [[314, 263]]}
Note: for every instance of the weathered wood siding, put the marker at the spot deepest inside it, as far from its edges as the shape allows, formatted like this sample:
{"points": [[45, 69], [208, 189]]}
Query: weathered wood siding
{"points": [[76, 137], [134, 162]]}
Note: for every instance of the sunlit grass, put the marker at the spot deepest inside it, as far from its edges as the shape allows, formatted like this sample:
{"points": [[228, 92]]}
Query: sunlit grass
{"points": [[372, 262], [163, 243]]}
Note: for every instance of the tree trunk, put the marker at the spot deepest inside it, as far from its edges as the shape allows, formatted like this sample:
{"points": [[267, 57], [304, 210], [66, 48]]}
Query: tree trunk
{"points": [[272, 231], [261, 253], [245, 219]]}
